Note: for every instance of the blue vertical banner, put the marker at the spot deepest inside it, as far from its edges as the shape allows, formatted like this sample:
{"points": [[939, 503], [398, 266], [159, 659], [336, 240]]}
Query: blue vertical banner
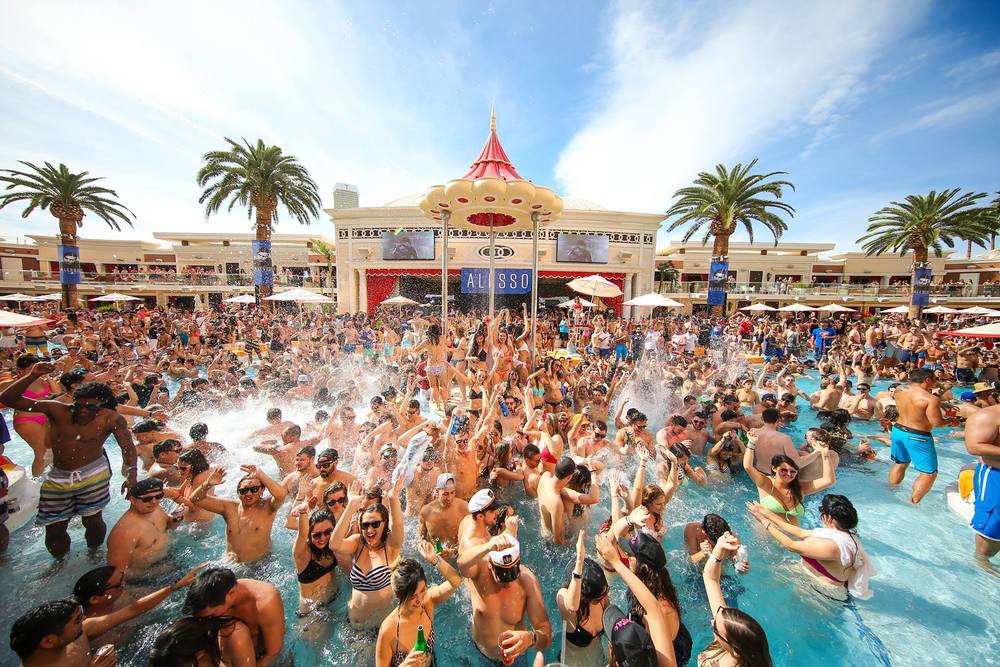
{"points": [[69, 265], [921, 286], [718, 276], [263, 271]]}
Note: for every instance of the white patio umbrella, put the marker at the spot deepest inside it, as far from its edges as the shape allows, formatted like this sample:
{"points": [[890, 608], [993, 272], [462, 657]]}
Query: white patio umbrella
{"points": [[300, 295], [115, 296], [47, 297], [837, 308], [593, 286], [242, 298], [571, 303], [653, 300], [17, 297], [10, 319], [797, 308], [898, 309], [985, 331], [399, 301], [979, 310], [940, 310], [759, 308]]}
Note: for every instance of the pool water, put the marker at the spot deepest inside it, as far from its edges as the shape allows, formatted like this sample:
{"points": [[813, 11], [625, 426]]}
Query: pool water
{"points": [[932, 604]]}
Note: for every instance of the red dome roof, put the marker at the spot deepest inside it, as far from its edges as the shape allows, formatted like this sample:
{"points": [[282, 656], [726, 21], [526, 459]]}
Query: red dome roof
{"points": [[493, 161]]}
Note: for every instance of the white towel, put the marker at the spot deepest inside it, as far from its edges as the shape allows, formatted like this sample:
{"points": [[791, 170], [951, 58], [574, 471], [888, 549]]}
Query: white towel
{"points": [[852, 556]]}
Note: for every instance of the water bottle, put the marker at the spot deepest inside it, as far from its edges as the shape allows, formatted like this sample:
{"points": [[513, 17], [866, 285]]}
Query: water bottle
{"points": [[437, 546], [503, 407], [421, 643], [741, 556]]}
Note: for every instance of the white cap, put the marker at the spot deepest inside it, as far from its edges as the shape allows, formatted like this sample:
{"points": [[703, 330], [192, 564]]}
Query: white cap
{"points": [[482, 500], [509, 556], [303, 379]]}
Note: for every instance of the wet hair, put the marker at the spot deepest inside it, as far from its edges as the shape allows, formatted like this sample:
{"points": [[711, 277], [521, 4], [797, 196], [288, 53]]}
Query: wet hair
{"points": [[582, 478], [146, 425], [729, 415], [293, 429], [794, 486], [319, 516], [92, 583], [679, 450], [841, 510], [715, 527], [920, 375], [196, 460], [434, 334], [659, 583], [531, 451], [182, 641], [209, 589], [746, 637], [333, 488], [102, 392], [407, 573], [309, 451], [650, 494], [678, 420], [165, 446], [198, 431], [770, 415], [321, 415], [71, 379], [46, 619], [565, 467], [26, 361], [891, 413], [383, 513], [274, 413], [631, 413], [593, 586]]}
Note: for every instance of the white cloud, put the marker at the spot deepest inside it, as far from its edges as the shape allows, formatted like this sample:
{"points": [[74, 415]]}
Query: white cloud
{"points": [[705, 84], [952, 111], [975, 66]]}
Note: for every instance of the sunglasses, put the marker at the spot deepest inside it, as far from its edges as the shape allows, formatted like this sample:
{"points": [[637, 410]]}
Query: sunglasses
{"points": [[325, 464], [598, 435], [323, 533], [91, 407], [248, 489], [336, 501], [389, 454], [149, 499], [374, 525], [347, 416]]}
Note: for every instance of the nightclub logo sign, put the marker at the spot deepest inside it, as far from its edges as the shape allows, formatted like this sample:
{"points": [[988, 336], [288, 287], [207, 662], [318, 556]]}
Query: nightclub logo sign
{"points": [[499, 251]]}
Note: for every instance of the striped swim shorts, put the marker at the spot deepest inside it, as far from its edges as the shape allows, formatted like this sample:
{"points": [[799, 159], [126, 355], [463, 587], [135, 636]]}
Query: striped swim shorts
{"points": [[84, 491]]}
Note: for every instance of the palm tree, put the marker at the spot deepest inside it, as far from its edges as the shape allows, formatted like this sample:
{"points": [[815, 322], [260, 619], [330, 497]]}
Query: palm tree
{"points": [[259, 177], [66, 196], [925, 222], [328, 252], [718, 203]]}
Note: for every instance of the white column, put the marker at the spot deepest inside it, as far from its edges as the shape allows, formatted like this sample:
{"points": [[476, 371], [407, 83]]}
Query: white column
{"points": [[362, 291], [627, 310]]}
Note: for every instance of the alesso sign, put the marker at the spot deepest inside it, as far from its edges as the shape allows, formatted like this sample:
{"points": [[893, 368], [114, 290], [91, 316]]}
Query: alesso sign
{"points": [[506, 281], [499, 251]]}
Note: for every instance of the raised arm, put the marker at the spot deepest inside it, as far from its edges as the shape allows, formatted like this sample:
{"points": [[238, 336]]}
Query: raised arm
{"points": [[123, 436], [440, 592], [95, 626], [339, 541], [215, 505], [396, 515], [748, 458], [12, 396]]}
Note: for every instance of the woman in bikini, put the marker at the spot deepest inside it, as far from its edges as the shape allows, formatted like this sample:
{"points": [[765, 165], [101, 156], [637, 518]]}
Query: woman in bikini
{"points": [[316, 565], [581, 602], [739, 640], [437, 365], [375, 547], [781, 493], [832, 555], [417, 601], [32, 426]]}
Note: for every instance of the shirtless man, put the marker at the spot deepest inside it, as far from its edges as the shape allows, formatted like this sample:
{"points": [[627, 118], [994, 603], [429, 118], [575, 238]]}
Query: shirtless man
{"points": [[502, 590], [275, 425], [589, 447], [828, 398], [863, 405], [919, 412], [634, 434], [343, 431], [217, 592], [440, 519], [53, 634], [966, 363], [748, 397], [697, 433], [982, 439], [285, 453], [771, 442], [326, 465], [79, 480], [148, 433], [550, 502], [140, 537], [532, 470], [249, 521], [164, 466], [199, 441], [298, 483]]}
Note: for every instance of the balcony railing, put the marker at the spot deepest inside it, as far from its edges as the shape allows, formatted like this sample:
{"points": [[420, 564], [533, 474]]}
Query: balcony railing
{"points": [[46, 279], [753, 290]]}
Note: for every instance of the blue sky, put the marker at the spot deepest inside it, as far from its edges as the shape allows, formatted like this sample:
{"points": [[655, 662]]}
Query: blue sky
{"points": [[861, 102]]}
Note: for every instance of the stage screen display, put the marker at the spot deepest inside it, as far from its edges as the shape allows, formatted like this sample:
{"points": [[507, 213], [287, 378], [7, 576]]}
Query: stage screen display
{"points": [[407, 245], [585, 248]]}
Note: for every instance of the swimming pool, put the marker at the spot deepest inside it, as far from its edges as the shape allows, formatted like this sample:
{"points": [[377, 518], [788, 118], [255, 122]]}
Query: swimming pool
{"points": [[932, 604]]}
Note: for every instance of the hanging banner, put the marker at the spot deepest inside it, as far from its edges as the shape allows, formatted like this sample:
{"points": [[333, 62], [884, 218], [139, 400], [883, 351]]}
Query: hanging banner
{"points": [[506, 281], [718, 276], [263, 272], [69, 265], [921, 287]]}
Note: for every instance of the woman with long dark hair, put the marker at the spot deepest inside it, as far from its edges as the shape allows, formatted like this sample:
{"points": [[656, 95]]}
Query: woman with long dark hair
{"points": [[581, 602], [315, 564], [204, 641], [781, 492]]}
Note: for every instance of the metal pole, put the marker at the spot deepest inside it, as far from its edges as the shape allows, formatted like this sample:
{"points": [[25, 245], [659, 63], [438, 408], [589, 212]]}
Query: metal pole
{"points": [[492, 278], [534, 284], [445, 216]]}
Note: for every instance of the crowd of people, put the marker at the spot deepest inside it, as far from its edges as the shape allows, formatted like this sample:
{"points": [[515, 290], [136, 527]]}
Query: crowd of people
{"points": [[402, 488]]}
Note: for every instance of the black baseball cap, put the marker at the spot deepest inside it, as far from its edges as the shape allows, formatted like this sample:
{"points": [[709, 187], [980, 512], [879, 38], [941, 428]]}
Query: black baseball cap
{"points": [[646, 548], [629, 640], [144, 486]]}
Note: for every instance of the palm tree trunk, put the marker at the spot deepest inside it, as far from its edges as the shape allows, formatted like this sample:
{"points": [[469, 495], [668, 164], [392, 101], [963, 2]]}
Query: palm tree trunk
{"points": [[264, 234], [968, 253], [720, 248], [919, 257], [68, 221]]}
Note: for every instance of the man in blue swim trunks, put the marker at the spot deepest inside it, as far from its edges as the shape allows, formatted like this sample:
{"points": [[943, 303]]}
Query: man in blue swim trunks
{"points": [[912, 441], [982, 439]]}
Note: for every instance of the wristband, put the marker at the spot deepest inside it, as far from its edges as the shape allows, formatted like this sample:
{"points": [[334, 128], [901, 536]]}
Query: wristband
{"points": [[534, 638], [577, 576]]}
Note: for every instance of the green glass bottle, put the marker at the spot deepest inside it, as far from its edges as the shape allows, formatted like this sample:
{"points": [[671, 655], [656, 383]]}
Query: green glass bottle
{"points": [[437, 545], [421, 643]]}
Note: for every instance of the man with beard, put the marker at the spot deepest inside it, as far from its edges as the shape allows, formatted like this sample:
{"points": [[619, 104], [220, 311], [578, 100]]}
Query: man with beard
{"points": [[298, 483], [440, 518], [285, 453], [249, 521], [79, 480], [140, 537], [53, 634], [326, 464]]}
